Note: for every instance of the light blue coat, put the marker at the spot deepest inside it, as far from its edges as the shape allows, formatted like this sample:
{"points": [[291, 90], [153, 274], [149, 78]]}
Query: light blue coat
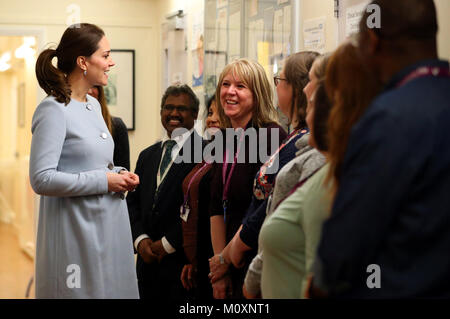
{"points": [[84, 245]]}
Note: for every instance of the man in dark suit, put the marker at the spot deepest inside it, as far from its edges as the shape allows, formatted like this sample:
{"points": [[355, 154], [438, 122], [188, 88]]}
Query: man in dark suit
{"points": [[388, 235], [154, 207]]}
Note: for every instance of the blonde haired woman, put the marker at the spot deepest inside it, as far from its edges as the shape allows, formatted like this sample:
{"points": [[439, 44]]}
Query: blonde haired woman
{"points": [[251, 76], [244, 100]]}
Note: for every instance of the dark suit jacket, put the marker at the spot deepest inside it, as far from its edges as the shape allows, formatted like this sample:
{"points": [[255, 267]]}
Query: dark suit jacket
{"points": [[121, 144], [392, 208], [156, 212]]}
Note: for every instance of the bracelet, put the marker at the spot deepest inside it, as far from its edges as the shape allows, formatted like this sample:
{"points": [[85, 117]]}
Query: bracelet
{"points": [[222, 260]]}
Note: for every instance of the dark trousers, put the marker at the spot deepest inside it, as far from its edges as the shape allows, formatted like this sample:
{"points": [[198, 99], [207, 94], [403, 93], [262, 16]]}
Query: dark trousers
{"points": [[161, 280]]}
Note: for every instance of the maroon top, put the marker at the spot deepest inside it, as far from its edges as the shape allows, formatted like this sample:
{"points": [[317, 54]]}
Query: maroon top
{"points": [[190, 225]]}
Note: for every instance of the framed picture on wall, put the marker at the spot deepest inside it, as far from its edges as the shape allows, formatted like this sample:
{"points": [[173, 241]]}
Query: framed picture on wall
{"points": [[120, 93]]}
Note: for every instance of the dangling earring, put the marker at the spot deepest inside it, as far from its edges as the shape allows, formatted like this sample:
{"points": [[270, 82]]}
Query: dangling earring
{"points": [[85, 72]]}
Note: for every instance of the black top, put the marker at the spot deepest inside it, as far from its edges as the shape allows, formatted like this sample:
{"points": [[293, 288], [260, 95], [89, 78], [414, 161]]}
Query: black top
{"points": [[121, 143], [241, 186], [240, 194]]}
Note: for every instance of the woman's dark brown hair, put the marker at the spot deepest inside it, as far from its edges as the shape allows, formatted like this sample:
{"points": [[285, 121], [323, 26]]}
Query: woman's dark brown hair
{"points": [[296, 71], [105, 112], [322, 108], [78, 40], [351, 88]]}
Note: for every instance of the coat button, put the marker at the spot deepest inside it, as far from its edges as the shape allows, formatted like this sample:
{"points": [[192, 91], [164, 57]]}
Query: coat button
{"points": [[110, 165], [89, 106], [104, 135]]}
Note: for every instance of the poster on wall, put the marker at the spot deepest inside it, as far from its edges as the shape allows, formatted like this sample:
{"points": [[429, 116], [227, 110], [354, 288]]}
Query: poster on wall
{"points": [[220, 63], [196, 29], [287, 31], [209, 26], [251, 43], [268, 24], [221, 29], [255, 35], [353, 15], [314, 34], [253, 8], [222, 3], [234, 49], [197, 47], [278, 32], [197, 64]]}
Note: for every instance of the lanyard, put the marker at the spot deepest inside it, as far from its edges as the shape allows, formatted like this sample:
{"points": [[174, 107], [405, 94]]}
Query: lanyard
{"points": [[424, 71], [187, 196], [296, 186], [272, 158], [226, 179]]}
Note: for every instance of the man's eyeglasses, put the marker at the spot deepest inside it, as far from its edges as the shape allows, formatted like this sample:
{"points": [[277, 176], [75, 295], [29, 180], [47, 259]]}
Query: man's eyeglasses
{"points": [[277, 79], [179, 108]]}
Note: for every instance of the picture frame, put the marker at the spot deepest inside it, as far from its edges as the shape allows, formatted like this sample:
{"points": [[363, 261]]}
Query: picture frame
{"points": [[120, 91]]}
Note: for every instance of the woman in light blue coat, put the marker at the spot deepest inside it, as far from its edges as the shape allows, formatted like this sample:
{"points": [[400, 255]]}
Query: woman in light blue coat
{"points": [[84, 244]]}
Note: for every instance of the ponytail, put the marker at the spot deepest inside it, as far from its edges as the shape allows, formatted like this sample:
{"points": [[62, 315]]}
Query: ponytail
{"points": [[105, 112], [51, 79]]}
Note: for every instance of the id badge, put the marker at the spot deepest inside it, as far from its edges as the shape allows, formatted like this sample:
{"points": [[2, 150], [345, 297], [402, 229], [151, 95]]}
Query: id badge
{"points": [[184, 212]]}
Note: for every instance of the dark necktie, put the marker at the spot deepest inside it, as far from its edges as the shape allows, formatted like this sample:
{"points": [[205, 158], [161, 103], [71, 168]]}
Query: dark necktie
{"points": [[167, 156]]}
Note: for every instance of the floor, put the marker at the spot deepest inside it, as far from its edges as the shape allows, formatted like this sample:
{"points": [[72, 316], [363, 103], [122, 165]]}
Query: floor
{"points": [[16, 267]]}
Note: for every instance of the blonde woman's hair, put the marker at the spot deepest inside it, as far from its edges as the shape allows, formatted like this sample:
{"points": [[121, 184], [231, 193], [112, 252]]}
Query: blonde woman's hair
{"points": [[253, 75], [320, 66]]}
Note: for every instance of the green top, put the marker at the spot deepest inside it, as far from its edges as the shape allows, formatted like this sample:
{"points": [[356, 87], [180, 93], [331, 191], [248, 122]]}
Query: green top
{"points": [[290, 236]]}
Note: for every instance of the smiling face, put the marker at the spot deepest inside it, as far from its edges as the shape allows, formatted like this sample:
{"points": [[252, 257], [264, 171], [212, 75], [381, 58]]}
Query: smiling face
{"points": [[237, 100], [177, 112], [99, 63], [212, 120]]}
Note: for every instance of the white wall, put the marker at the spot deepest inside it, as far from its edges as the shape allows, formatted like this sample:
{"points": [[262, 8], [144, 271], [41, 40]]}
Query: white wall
{"points": [[443, 11]]}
